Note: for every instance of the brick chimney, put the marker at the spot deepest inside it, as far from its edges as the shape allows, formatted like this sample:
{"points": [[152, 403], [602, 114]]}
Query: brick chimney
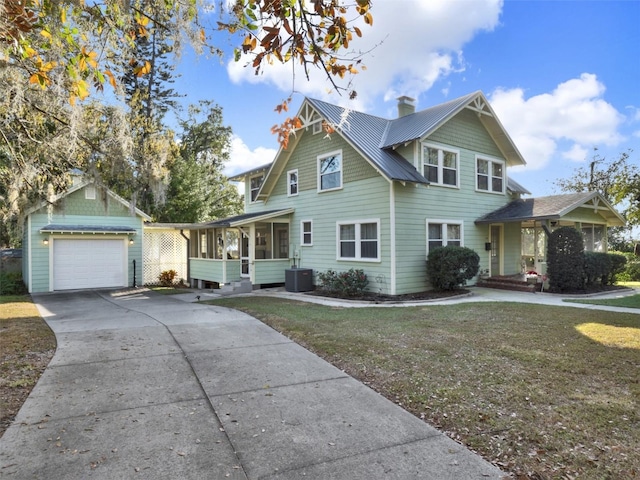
{"points": [[406, 106]]}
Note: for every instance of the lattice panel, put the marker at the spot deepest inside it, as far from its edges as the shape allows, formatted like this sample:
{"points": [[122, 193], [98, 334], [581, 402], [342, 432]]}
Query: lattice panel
{"points": [[163, 250]]}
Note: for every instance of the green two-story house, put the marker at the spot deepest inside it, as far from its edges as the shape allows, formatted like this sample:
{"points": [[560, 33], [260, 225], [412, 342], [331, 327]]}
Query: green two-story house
{"points": [[352, 190]]}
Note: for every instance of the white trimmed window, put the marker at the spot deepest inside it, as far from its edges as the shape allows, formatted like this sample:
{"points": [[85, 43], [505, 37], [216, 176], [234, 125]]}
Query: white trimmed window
{"points": [[330, 171], [490, 175], [292, 183], [359, 240], [306, 233], [441, 233], [90, 192], [440, 166], [317, 124], [255, 183]]}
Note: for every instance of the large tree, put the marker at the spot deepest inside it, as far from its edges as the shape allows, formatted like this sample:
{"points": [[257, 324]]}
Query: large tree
{"points": [[54, 54], [617, 180], [198, 191]]}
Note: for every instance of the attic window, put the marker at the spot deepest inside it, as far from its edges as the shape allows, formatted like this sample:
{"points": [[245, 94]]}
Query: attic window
{"points": [[90, 192], [256, 183], [317, 124], [330, 172], [292, 188]]}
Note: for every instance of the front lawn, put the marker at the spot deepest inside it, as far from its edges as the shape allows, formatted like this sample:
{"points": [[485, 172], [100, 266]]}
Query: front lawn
{"points": [[26, 347], [543, 392], [631, 301]]}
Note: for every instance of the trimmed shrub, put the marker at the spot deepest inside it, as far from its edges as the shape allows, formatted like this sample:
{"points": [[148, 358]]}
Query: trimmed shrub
{"points": [[602, 268], [167, 277], [11, 283], [565, 260], [597, 266], [450, 267], [347, 284], [618, 264]]}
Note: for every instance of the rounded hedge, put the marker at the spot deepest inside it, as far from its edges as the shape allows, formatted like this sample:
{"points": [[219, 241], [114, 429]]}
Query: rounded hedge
{"points": [[450, 267]]}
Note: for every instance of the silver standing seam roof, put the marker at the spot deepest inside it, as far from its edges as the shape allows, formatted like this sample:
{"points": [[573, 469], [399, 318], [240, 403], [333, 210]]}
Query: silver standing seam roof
{"points": [[366, 133], [376, 138]]}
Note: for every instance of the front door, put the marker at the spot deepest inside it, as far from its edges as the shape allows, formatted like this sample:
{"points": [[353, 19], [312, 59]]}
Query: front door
{"points": [[496, 250], [245, 264]]}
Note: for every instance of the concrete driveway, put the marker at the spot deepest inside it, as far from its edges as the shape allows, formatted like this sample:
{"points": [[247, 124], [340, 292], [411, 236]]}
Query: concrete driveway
{"points": [[150, 387]]}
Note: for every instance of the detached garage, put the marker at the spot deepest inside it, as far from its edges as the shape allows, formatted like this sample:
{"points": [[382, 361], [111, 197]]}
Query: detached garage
{"points": [[86, 238]]}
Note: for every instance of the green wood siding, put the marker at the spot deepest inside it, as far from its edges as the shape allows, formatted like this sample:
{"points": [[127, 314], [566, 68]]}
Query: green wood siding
{"points": [[366, 196], [466, 131], [358, 200], [69, 211], [416, 205], [584, 215], [304, 159], [270, 271]]}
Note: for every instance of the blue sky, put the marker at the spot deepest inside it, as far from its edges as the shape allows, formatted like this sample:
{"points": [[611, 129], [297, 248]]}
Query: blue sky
{"points": [[562, 76]]}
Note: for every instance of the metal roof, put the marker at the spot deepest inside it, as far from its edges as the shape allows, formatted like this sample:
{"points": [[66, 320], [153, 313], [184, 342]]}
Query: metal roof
{"points": [[515, 187], [366, 134], [418, 124], [242, 219], [552, 207], [53, 228]]}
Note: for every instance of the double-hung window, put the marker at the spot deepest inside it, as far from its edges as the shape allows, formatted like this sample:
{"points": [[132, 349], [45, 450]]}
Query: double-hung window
{"points": [[359, 240], [440, 166], [441, 233], [330, 171], [255, 184], [292, 182], [490, 175], [306, 233]]}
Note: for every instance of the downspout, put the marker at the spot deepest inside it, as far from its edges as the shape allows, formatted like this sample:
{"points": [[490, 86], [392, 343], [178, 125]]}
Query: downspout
{"points": [[188, 250]]}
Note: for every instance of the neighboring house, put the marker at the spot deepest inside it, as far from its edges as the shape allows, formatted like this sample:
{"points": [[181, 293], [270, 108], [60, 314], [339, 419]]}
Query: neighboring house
{"points": [[86, 237]]}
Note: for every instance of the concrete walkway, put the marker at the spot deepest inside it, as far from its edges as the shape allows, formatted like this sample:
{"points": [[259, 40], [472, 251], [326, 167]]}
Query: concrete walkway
{"points": [[144, 386], [477, 294]]}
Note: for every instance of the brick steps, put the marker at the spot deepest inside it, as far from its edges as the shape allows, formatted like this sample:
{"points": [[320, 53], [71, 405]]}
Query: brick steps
{"points": [[508, 283]]}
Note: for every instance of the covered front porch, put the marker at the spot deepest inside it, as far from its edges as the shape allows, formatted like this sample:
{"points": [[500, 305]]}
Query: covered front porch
{"points": [[536, 218], [251, 248]]}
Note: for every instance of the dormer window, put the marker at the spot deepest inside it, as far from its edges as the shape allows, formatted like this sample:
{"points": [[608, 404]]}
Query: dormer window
{"points": [[255, 183]]}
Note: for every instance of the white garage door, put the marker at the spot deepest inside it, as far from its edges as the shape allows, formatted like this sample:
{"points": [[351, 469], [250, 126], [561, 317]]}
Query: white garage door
{"points": [[89, 263]]}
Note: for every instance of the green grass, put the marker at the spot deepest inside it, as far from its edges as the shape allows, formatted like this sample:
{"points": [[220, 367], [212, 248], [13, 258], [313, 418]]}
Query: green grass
{"points": [[543, 392], [631, 301], [26, 347]]}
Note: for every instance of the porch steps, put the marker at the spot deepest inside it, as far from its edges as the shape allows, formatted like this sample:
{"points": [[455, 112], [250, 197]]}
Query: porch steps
{"points": [[514, 283], [242, 286]]}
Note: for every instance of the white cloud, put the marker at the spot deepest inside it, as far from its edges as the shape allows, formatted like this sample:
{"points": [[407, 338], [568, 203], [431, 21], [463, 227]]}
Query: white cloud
{"points": [[575, 111], [416, 43], [576, 153], [242, 158]]}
